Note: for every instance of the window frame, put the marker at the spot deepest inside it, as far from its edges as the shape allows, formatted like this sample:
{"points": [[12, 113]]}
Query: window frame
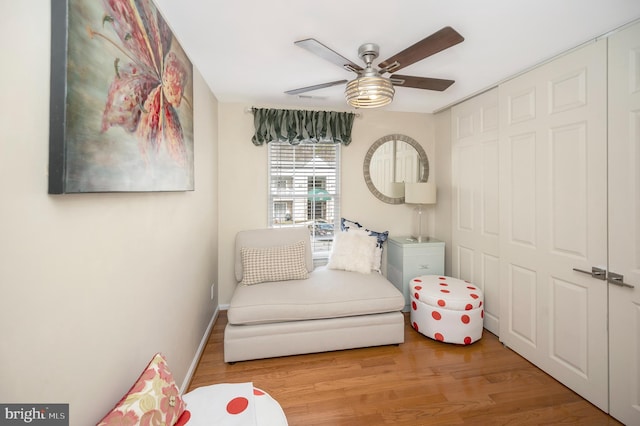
{"points": [[315, 184]]}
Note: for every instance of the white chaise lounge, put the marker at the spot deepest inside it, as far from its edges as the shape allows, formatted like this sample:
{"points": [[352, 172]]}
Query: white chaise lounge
{"points": [[330, 310]]}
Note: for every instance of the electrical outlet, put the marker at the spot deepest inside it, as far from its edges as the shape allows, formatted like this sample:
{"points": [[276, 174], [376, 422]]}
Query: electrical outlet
{"points": [[213, 287]]}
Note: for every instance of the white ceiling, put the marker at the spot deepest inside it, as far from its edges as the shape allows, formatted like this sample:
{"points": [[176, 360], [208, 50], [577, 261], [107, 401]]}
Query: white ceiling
{"points": [[244, 48]]}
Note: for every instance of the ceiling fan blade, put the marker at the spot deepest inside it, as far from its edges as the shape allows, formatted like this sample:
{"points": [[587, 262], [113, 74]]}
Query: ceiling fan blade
{"points": [[437, 84], [436, 42], [319, 49], [316, 87]]}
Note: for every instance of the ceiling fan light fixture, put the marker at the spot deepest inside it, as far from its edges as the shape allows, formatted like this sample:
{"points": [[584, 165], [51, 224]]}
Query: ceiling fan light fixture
{"points": [[369, 92]]}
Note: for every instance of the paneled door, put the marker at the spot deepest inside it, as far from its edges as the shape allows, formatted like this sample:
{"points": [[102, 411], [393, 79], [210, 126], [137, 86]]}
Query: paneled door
{"points": [[624, 224], [553, 219], [475, 206]]}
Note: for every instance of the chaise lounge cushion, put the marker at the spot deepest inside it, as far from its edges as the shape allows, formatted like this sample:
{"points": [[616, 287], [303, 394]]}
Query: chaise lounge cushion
{"points": [[327, 293]]}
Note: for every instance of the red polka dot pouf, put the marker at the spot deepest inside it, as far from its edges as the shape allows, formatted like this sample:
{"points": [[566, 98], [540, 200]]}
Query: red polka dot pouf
{"points": [[446, 309], [232, 404]]}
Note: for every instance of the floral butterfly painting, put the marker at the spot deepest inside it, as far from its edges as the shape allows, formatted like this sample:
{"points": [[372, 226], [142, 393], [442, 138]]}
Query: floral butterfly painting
{"points": [[121, 100]]}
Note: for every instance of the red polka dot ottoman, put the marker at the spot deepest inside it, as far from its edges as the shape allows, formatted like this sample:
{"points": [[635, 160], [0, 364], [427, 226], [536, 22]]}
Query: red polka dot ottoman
{"points": [[230, 404], [446, 309]]}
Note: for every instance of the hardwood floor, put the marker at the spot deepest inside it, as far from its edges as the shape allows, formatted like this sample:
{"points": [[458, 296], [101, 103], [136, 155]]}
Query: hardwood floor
{"points": [[420, 382]]}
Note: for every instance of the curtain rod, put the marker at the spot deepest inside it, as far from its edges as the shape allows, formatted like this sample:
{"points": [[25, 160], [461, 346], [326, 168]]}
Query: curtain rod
{"points": [[250, 110]]}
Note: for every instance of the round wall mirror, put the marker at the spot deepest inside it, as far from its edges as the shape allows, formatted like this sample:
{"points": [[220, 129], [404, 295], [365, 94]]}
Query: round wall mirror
{"points": [[391, 161]]}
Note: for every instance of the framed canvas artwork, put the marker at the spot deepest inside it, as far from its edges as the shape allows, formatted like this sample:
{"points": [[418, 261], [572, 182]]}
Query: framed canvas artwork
{"points": [[121, 101]]}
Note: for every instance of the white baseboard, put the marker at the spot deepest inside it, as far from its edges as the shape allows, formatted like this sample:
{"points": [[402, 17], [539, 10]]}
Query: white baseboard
{"points": [[196, 358], [224, 307]]}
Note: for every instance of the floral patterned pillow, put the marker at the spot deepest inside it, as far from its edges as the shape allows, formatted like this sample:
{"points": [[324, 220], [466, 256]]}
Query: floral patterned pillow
{"points": [[153, 400]]}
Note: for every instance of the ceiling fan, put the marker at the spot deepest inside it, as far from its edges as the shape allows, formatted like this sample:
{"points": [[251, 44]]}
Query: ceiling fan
{"points": [[370, 89]]}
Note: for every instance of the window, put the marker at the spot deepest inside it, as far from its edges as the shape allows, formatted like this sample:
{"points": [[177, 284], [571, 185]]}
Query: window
{"points": [[304, 191]]}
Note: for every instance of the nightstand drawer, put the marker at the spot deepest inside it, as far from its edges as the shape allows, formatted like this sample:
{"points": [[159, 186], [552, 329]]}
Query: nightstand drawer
{"points": [[411, 252], [432, 264]]}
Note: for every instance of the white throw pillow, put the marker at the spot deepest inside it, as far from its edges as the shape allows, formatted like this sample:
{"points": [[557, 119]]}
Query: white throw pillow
{"points": [[346, 225], [376, 264], [353, 251]]}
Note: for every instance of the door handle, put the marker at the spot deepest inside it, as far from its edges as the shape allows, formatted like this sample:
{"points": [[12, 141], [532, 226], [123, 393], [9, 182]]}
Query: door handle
{"points": [[617, 279], [597, 273]]}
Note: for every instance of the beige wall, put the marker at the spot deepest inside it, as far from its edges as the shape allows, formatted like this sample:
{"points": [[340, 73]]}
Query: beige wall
{"points": [[92, 285], [442, 216], [243, 178]]}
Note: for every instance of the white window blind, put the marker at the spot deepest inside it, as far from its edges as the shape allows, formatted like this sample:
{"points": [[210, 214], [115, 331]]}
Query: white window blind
{"points": [[304, 187]]}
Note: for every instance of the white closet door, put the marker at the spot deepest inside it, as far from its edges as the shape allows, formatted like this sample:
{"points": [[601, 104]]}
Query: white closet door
{"points": [[475, 254], [624, 223], [553, 218]]}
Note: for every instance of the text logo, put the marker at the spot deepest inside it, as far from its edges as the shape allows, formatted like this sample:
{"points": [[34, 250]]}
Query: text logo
{"points": [[34, 414]]}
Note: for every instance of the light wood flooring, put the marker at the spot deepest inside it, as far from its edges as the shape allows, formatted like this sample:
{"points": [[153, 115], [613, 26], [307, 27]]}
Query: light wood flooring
{"points": [[420, 382]]}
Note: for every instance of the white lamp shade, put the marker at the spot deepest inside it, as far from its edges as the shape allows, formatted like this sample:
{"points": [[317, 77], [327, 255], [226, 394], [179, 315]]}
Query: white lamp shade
{"points": [[397, 189], [420, 193]]}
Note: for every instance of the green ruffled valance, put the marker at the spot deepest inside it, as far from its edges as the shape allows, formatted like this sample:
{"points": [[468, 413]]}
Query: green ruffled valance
{"points": [[296, 126]]}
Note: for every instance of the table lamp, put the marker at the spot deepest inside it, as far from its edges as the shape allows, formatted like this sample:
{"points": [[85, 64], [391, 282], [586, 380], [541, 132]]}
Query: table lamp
{"points": [[420, 193]]}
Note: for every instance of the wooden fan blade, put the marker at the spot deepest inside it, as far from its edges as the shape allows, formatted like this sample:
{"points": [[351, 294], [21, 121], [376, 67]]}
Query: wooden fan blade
{"points": [[319, 49], [436, 42], [421, 82], [316, 87]]}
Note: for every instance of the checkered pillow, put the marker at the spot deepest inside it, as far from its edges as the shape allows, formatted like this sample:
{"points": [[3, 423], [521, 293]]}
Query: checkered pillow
{"points": [[273, 264]]}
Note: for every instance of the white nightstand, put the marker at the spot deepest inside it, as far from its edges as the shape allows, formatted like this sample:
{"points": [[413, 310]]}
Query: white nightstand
{"points": [[407, 259]]}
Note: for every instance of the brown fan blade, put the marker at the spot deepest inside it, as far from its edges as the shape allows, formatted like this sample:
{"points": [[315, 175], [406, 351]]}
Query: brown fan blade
{"points": [[317, 48], [421, 82], [316, 87], [436, 42]]}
